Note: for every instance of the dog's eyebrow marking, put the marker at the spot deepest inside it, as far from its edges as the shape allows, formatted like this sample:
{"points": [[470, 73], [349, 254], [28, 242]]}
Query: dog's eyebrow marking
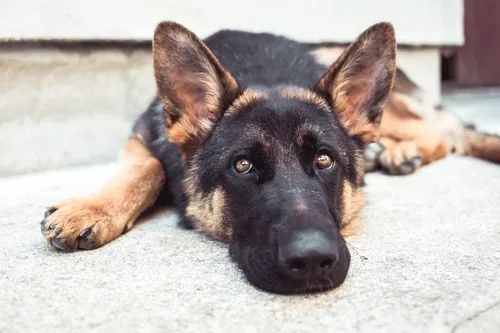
{"points": [[246, 98], [304, 129], [304, 95]]}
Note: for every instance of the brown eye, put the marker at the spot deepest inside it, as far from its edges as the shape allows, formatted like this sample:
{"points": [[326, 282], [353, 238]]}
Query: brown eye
{"points": [[243, 166], [324, 161]]}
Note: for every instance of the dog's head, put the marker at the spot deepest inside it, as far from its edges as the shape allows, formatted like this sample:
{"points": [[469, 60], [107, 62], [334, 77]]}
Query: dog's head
{"points": [[276, 172]]}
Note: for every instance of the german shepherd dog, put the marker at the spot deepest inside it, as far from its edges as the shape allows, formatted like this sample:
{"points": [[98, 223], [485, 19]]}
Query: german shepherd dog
{"points": [[259, 145]]}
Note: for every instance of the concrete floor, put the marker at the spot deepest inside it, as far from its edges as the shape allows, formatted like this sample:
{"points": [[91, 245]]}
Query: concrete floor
{"points": [[427, 260]]}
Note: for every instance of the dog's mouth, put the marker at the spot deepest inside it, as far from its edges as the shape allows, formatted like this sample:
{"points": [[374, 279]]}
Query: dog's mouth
{"points": [[262, 269]]}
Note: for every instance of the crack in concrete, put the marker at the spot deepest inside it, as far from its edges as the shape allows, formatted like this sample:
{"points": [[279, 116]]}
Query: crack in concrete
{"points": [[474, 316]]}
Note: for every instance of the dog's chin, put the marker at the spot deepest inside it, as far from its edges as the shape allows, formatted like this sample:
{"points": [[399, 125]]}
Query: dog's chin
{"points": [[261, 269]]}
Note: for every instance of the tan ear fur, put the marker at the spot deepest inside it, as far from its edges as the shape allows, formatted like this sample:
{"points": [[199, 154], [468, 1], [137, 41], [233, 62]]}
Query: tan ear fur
{"points": [[192, 84], [358, 83]]}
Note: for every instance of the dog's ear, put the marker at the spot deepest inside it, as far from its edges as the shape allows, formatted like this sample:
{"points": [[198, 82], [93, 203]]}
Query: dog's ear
{"points": [[192, 84], [359, 82]]}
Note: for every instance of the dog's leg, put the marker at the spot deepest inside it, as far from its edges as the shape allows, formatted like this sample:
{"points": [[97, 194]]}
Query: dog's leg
{"points": [[409, 141], [466, 140], [401, 157], [485, 146], [91, 222]]}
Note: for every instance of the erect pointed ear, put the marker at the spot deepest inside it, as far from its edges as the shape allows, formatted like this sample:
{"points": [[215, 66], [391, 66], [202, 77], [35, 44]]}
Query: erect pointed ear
{"points": [[192, 84], [359, 82]]}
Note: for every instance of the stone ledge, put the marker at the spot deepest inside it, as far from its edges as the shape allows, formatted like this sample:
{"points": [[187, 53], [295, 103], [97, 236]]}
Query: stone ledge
{"points": [[72, 104], [417, 22]]}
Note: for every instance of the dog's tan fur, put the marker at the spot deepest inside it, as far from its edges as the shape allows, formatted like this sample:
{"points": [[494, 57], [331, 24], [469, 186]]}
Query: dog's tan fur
{"points": [[207, 212], [371, 56], [114, 208], [353, 201], [246, 98], [482, 146], [306, 96], [191, 96]]}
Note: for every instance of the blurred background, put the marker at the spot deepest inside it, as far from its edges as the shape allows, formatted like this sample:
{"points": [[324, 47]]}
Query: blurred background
{"points": [[75, 74]]}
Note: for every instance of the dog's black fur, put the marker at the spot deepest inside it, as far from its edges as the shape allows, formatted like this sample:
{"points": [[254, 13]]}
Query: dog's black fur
{"points": [[256, 60]]}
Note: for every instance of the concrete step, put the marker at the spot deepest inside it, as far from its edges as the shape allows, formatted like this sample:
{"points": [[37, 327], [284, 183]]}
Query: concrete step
{"points": [[67, 104]]}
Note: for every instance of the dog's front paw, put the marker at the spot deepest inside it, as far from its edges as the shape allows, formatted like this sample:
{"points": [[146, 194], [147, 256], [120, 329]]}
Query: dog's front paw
{"points": [[402, 158], [79, 224]]}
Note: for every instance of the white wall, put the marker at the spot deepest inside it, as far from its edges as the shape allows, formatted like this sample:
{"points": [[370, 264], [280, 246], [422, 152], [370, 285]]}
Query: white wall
{"points": [[430, 22]]}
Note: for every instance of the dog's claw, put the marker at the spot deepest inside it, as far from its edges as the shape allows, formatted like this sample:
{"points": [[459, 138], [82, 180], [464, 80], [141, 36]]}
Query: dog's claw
{"points": [[406, 167], [49, 211], [57, 242], [85, 233]]}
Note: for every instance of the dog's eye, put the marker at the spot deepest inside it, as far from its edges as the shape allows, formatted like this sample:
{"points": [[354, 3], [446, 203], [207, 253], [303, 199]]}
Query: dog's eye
{"points": [[243, 166], [324, 161]]}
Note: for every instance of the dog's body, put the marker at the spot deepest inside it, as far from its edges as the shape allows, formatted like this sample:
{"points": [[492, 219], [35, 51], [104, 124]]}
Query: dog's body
{"points": [[257, 146]]}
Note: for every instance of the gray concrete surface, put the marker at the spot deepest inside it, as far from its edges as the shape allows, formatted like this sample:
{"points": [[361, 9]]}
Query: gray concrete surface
{"points": [[426, 260], [79, 100]]}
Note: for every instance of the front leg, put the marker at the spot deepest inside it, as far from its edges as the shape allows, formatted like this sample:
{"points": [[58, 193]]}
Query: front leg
{"points": [[91, 222], [402, 157]]}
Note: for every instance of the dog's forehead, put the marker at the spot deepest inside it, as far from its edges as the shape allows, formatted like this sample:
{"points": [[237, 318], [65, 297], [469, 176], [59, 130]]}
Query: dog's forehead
{"points": [[282, 113]]}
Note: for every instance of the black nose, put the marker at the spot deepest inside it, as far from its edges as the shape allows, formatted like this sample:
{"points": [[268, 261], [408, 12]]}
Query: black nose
{"points": [[309, 254]]}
